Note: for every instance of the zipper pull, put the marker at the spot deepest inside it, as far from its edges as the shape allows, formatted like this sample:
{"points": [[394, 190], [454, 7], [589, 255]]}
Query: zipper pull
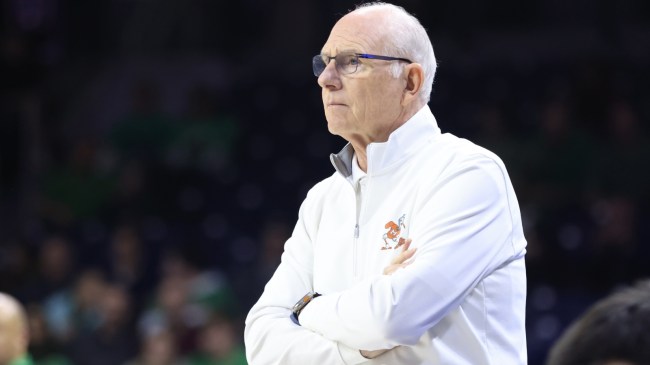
{"points": [[356, 231]]}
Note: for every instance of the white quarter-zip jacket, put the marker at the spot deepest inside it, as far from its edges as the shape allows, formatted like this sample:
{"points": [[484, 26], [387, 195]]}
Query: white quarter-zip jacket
{"points": [[461, 300]]}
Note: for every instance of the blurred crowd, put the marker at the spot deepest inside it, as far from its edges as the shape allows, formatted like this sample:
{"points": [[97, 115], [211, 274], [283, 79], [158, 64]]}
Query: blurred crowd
{"points": [[148, 179]]}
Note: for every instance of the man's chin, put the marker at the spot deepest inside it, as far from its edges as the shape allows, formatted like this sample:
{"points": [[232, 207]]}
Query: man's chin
{"points": [[332, 129], [336, 129], [337, 125]]}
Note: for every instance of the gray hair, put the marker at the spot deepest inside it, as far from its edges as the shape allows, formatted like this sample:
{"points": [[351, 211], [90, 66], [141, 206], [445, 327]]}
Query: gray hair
{"points": [[407, 39]]}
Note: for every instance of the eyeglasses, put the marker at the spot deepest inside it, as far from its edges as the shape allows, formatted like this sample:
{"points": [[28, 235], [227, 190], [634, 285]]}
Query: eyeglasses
{"points": [[347, 62]]}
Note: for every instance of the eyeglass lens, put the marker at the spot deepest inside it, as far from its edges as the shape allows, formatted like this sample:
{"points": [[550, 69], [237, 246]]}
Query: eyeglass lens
{"points": [[345, 62]]}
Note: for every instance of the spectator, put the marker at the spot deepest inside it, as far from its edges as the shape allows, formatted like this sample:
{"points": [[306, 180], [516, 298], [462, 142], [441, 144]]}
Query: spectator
{"points": [[44, 348], [218, 344], [187, 295], [56, 265], [614, 331], [114, 341], [158, 348], [172, 311], [128, 266], [76, 311]]}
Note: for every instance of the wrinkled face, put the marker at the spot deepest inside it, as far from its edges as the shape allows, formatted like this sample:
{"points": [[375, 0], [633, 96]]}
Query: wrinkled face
{"points": [[364, 105]]}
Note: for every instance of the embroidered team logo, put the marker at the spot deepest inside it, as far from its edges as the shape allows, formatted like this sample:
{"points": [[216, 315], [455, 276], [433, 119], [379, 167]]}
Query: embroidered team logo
{"points": [[393, 238]]}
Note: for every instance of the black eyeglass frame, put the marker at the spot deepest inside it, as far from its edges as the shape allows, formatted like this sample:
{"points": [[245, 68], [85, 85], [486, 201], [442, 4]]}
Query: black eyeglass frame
{"points": [[318, 62]]}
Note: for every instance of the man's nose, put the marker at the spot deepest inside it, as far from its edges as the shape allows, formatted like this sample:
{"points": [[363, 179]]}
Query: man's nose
{"points": [[329, 76]]}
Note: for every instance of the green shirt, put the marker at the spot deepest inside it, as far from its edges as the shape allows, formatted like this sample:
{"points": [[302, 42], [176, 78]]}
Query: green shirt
{"points": [[53, 359], [24, 360]]}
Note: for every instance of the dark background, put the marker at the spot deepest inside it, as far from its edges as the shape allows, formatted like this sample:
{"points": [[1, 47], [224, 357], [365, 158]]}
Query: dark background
{"points": [[164, 146]]}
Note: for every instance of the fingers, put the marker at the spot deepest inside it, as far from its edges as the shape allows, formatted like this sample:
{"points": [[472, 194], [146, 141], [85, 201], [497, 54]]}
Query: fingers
{"points": [[372, 354], [403, 259], [403, 256], [407, 244], [392, 268]]}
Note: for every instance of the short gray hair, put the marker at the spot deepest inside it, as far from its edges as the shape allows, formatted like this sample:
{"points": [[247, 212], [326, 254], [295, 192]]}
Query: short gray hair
{"points": [[408, 39]]}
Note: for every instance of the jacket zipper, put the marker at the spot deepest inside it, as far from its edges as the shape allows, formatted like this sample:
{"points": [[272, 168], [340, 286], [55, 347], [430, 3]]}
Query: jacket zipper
{"points": [[355, 249]]}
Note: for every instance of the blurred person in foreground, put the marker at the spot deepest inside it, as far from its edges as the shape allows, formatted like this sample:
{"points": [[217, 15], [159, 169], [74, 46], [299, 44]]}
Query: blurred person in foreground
{"points": [[14, 333], [613, 331], [412, 252]]}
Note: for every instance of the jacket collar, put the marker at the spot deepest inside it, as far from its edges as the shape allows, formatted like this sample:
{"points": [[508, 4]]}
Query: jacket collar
{"points": [[404, 141]]}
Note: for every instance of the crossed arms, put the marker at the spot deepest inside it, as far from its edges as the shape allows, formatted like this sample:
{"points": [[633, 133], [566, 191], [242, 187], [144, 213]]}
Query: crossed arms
{"points": [[460, 239]]}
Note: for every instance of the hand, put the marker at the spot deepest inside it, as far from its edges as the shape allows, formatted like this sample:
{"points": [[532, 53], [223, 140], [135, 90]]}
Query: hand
{"points": [[371, 354], [400, 260]]}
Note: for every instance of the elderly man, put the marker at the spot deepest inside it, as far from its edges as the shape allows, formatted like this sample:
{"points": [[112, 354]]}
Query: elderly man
{"points": [[14, 337], [412, 252]]}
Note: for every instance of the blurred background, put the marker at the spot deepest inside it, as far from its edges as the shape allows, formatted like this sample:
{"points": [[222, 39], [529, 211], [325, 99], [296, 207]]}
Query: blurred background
{"points": [[154, 153]]}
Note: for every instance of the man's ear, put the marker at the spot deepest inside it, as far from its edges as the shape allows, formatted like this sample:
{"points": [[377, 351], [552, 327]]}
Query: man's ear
{"points": [[414, 80]]}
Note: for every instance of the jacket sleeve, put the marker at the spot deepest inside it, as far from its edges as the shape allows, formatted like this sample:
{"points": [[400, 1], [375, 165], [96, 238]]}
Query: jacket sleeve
{"points": [[463, 230], [270, 336]]}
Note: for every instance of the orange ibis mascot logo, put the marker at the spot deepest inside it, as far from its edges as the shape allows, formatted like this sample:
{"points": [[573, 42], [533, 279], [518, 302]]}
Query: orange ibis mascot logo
{"points": [[393, 238]]}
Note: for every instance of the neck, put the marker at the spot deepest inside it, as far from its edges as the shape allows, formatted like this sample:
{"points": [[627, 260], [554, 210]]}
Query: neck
{"points": [[362, 158], [361, 144]]}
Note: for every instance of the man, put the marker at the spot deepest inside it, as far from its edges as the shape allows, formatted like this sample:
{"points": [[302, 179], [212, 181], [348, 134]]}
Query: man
{"points": [[413, 249], [614, 331], [14, 337]]}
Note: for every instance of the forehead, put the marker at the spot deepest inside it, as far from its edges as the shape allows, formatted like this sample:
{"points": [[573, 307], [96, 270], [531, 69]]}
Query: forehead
{"points": [[353, 32]]}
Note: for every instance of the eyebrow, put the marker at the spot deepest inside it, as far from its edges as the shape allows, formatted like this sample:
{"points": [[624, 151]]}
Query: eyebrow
{"points": [[342, 51]]}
